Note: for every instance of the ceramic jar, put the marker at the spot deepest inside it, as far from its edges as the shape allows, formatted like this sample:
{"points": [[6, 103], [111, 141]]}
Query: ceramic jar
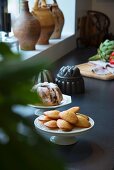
{"points": [[44, 15], [26, 28], [59, 20]]}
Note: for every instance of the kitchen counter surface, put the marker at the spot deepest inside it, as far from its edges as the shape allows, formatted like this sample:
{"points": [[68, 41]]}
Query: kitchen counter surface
{"points": [[94, 150]]}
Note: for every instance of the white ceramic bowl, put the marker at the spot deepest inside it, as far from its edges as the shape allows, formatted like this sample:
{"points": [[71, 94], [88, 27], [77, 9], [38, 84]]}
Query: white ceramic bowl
{"points": [[59, 136]]}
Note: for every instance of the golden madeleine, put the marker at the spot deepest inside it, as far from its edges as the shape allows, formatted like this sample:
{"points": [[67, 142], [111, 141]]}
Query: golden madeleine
{"points": [[64, 125], [43, 118], [69, 116], [74, 109], [87, 117], [82, 122], [52, 124], [53, 114]]}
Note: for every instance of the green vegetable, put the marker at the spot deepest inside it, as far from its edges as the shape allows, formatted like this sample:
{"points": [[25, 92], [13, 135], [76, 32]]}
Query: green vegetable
{"points": [[95, 57], [104, 51]]}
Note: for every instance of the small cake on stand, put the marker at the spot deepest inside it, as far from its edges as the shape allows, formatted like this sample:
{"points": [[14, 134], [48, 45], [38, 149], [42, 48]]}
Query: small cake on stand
{"points": [[51, 97], [42, 108]]}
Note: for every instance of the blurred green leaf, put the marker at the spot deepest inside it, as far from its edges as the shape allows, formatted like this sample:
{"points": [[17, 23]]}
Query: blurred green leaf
{"points": [[21, 147], [6, 53]]}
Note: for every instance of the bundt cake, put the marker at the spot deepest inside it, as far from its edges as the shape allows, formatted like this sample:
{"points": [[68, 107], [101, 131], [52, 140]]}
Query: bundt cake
{"points": [[49, 93]]}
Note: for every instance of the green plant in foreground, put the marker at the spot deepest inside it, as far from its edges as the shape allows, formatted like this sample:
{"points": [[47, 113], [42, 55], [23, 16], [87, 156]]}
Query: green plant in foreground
{"points": [[21, 147]]}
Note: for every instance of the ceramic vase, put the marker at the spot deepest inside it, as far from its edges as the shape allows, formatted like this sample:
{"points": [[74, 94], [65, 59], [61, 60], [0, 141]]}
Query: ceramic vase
{"points": [[44, 15], [59, 20], [26, 28]]}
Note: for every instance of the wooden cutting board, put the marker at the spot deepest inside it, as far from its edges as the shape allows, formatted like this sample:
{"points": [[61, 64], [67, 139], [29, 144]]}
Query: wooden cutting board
{"points": [[85, 70]]}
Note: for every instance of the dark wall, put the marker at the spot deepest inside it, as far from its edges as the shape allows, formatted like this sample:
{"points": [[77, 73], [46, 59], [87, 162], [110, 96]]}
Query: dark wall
{"points": [[3, 14]]}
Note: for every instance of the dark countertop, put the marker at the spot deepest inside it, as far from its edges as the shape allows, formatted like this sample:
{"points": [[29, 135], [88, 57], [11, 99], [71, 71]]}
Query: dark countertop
{"points": [[94, 150]]}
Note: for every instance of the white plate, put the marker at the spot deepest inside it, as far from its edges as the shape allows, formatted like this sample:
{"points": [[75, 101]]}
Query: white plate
{"points": [[59, 136], [66, 100]]}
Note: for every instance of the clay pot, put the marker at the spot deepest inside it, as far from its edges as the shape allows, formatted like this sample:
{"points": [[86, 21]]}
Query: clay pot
{"points": [[45, 17], [59, 20], [26, 28]]}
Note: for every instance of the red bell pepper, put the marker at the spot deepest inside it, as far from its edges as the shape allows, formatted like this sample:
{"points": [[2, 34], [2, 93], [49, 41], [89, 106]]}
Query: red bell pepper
{"points": [[111, 58]]}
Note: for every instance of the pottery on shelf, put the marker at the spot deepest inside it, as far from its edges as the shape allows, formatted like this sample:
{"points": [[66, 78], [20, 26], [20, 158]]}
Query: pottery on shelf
{"points": [[26, 28], [43, 14], [59, 20]]}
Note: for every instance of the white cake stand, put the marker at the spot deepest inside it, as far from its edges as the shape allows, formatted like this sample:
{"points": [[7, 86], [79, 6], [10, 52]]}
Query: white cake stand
{"points": [[60, 137], [40, 109]]}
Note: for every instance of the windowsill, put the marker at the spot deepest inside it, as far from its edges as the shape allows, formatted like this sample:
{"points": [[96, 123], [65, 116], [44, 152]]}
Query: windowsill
{"points": [[53, 51], [55, 47], [41, 48]]}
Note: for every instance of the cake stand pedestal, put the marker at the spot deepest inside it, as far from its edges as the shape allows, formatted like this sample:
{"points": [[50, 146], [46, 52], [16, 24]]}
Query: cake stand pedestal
{"points": [[59, 136], [63, 140]]}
